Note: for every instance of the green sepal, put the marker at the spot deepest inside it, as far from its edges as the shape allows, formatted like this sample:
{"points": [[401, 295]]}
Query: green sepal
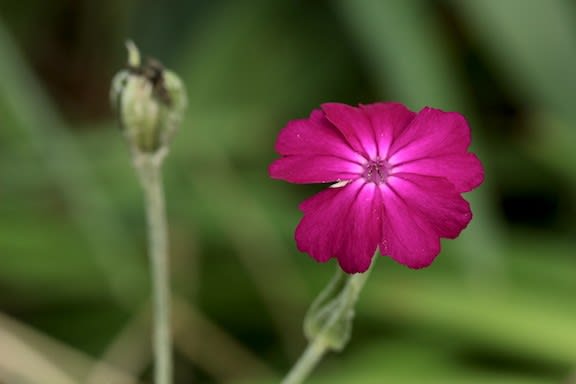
{"points": [[330, 315]]}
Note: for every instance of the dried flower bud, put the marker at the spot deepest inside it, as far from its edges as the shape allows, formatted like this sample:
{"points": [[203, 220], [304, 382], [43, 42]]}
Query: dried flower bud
{"points": [[150, 102]]}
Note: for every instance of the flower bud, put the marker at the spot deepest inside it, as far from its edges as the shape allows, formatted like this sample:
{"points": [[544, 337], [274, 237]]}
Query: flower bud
{"points": [[150, 102]]}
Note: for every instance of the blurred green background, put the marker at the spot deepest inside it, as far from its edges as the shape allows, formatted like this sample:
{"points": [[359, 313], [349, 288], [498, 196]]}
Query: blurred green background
{"points": [[497, 306]]}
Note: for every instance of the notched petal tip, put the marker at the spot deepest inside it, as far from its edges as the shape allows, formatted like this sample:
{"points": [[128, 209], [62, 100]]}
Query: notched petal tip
{"points": [[476, 174], [273, 170], [420, 265], [352, 266], [383, 106], [419, 262], [334, 104]]}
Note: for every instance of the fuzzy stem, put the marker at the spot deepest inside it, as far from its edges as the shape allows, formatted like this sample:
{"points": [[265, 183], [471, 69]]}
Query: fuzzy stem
{"points": [[150, 173], [307, 361], [321, 343]]}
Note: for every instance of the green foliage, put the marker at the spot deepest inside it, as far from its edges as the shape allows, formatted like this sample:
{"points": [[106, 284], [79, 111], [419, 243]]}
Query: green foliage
{"points": [[497, 306]]}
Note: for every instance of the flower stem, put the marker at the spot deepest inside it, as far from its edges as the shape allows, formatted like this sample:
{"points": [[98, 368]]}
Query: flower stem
{"points": [[307, 361], [150, 173], [332, 335]]}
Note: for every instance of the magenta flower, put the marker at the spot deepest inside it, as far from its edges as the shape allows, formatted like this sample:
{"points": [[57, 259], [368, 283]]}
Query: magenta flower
{"points": [[398, 177]]}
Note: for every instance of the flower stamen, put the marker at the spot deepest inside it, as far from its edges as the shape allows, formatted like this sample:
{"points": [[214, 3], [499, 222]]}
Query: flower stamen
{"points": [[376, 171]]}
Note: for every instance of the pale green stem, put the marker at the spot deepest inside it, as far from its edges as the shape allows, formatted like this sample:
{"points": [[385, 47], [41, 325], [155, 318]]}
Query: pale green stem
{"points": [[307, 361], [150, 172], [320, 344]]}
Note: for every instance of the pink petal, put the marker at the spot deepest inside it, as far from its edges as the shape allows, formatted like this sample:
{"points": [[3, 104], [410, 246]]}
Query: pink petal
{"points": [[314, 136], [464, 171], [354, 126], [344, 223], [435, 200], [314, 169], [432, 133], [407, 237], [388, 121], [420, 210], [314, 151]]}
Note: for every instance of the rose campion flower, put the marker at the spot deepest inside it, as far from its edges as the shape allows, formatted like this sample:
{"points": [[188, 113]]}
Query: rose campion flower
{"points": [[398, 178]]}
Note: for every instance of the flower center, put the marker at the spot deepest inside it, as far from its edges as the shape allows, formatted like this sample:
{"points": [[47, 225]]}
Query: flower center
{"points": [[376, 171]]}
